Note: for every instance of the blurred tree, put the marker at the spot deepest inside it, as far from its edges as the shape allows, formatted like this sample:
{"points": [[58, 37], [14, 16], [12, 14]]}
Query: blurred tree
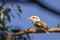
{"points": [[4, 15]]}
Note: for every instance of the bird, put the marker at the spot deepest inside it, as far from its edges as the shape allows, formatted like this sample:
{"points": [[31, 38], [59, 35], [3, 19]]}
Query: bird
{"points": [[38, 24]]}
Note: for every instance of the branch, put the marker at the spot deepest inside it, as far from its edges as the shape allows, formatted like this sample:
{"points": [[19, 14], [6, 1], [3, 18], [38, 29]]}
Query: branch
{"points": [[51, 30]]}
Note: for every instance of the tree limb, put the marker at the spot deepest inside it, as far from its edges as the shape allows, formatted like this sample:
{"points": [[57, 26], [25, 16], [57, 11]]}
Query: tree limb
{"points": [[51, 30]]}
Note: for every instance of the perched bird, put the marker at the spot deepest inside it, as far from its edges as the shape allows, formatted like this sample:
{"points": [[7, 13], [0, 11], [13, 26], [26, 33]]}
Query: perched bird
{"points": [[38, 24]]}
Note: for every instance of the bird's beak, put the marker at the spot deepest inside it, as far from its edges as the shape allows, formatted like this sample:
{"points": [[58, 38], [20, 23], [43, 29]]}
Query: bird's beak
{"points": [[29, 18]]}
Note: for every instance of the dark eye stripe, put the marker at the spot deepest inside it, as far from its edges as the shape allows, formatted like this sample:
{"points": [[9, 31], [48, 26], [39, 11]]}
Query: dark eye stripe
{"points": [[36, 18]]}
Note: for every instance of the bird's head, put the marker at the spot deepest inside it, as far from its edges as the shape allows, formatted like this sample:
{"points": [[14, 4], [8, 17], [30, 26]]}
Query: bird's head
{"points": [[34, 18]]}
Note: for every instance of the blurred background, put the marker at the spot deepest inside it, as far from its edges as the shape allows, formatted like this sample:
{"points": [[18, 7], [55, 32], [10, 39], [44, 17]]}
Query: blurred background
{"points": [[46, 10]]}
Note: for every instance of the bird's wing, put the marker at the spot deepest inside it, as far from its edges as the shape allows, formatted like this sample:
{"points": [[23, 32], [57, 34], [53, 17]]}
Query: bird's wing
{"points": [[44, 25], [41, 24], [37, 24]]}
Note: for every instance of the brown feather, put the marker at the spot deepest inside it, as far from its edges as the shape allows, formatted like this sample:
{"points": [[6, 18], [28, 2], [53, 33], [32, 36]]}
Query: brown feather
{"points": [[44, 25]]}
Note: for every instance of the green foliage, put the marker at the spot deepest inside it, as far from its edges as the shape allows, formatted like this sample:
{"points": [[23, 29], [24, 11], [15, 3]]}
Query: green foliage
{"points": [[24, 38], [2, 37], [1, 7], [19, 8], [1, 16], [6, 13]]}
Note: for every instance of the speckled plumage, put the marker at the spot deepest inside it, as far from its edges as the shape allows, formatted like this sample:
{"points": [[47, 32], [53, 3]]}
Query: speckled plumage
{"points": [[38, 24]]}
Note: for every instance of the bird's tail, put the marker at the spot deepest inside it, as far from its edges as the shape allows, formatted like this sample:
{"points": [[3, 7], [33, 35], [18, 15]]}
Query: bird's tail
{"points": [[47, 32]]}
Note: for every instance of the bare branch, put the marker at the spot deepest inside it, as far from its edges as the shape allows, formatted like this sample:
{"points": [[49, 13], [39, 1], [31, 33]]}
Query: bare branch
{"points": [[51, 30]]}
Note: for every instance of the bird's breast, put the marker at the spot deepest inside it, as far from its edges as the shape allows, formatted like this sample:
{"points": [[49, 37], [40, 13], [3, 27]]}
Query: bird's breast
{"points": [[39, 26]]}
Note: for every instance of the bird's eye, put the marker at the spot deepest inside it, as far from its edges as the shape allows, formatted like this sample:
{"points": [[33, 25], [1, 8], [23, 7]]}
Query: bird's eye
{"points": [[33, 17], [36, 18]]}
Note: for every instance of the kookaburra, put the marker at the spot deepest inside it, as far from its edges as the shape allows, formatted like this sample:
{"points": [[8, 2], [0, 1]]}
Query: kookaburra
{"points": [[38, 24]]}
